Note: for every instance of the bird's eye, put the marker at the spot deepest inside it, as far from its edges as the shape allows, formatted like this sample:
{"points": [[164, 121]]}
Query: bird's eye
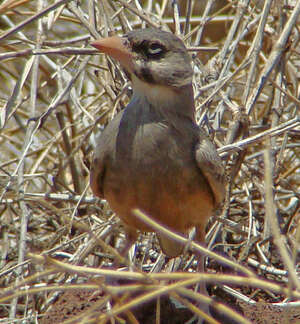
{"points": [[155, 49]]}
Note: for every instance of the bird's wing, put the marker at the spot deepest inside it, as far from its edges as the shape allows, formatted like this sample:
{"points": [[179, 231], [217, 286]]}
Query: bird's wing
{"points": [[210, 164], [97, 175]]}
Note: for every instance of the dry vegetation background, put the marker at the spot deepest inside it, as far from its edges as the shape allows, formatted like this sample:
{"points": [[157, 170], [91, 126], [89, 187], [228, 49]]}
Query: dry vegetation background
{"points": [[56, 95]]}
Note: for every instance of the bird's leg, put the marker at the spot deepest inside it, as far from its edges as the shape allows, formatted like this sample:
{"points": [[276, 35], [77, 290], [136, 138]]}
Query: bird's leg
{"points": [[130, 239], [201, 286]]}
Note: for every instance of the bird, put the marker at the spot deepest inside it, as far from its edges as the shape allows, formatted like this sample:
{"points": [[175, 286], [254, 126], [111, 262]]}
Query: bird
{"points": [[152, 155]]}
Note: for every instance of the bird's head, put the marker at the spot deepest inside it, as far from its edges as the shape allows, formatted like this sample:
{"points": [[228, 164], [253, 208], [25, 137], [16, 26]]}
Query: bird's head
{"points": [[150, 57]]}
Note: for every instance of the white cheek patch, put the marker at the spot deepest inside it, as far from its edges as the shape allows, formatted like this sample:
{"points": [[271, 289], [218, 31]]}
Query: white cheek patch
{"points": [[152, 92], [155, 72]]}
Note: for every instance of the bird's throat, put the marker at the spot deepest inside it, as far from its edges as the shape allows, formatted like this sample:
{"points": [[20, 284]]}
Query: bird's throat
{"points": [[168, 101]]}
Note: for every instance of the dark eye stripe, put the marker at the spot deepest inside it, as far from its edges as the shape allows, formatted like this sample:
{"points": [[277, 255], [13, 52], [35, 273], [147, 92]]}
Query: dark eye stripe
{"points": [[144, 74], [149, 49], [147, 75]]}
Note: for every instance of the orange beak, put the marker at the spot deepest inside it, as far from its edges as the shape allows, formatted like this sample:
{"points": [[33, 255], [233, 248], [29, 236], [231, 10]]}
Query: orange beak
{"points": [[115, 47]]}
